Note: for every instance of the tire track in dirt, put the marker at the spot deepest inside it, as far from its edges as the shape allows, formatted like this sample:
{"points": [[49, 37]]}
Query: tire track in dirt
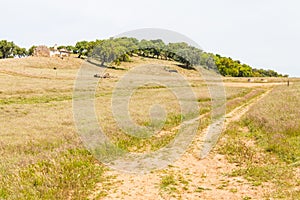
{"points": [[208, 174], [212, 132]]}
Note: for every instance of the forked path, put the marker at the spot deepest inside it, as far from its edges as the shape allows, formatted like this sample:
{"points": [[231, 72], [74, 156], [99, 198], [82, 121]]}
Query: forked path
{"points": [[193, 178], [241, 110]]}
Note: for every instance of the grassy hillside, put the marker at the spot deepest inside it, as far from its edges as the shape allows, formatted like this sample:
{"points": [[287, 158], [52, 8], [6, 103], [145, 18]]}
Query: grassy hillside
{"points": [[42, 157]]}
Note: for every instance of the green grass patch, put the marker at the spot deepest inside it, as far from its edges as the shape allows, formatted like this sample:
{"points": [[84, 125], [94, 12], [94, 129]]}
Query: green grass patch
{"points": [[167, 181], [71, 175], [173, 184], [34, 100]]}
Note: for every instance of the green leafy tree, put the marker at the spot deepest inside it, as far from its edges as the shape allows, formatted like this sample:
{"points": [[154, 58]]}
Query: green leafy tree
{"points": [[108, 51], [61, 47], [10, 50], [31, 50], [82, 48], [6, 49], [245, 71], [144, 48], [20, 52], [117, 50], [70, 48]]}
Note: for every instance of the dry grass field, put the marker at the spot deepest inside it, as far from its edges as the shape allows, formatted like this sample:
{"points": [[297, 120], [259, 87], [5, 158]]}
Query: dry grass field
{"points": [[42, 156]]}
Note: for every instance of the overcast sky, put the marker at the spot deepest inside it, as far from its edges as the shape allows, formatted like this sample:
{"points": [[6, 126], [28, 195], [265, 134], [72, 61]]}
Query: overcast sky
{"points": [[261, 33]]}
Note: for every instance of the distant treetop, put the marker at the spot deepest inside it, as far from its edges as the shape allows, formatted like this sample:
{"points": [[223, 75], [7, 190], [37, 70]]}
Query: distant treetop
{"points": [[117, 50]]}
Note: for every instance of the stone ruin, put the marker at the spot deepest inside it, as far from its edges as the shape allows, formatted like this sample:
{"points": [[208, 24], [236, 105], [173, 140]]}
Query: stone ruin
{"points": [[41, 51]]}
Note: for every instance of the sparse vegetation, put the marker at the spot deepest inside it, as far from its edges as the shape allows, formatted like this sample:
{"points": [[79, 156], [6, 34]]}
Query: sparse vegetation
{"points": [[265, 143], [172, 185], [273, 122], [70, 174]]}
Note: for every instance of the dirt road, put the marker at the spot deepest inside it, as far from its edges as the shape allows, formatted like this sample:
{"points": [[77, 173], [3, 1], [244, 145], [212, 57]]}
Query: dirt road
{"points": [[192, 177]]}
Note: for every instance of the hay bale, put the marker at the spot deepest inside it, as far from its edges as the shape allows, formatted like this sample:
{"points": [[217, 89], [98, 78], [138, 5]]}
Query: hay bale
{"points": [[41, 51]]}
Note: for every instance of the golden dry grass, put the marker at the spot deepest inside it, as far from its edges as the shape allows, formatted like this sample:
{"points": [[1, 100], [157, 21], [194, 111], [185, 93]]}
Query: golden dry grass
{"points": [[41, 156]]}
